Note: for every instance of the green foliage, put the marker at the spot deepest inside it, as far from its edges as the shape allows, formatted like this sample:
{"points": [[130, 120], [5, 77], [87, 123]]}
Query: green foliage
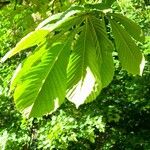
{"points": [[129, 54], [88, 61], [134, 30], [83, 68], [32, 39], [69, 125], [117, 119]]}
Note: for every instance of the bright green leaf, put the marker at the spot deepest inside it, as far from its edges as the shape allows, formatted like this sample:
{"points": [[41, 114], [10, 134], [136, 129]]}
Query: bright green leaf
{"points": [[41, 88], [129, 54], [105, 48], [107, 68], [84, 82], [134, 30], [32, 39], [25, 67]]}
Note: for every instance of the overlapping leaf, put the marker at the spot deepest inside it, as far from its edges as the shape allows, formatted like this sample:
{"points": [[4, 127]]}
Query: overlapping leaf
{"points": [[84, 81], [129, 54], [104, 47], [37, 36], [75, 61], [133, 29], [58, 20], [32, 39], [41, 88]]}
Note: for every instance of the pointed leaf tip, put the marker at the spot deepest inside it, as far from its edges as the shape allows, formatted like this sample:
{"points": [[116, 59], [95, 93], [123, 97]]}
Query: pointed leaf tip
{"points": [[6, 56], [142, 65]]}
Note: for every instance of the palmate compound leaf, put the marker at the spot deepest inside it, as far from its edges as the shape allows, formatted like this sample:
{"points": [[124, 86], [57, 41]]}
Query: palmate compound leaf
{"points": [[41, 86], [131, 27], [89, 63], [43, 82], [129, 54]]}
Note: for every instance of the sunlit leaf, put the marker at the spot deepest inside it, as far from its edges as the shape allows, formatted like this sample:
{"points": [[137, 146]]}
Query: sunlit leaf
{"points": [[84, 82], [129, 54], [41, 88], [51, 19], [134, 30], [104, 47], [32, 39]]}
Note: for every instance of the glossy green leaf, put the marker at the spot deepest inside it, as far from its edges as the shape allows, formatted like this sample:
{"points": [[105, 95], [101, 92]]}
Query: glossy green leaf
{"points": [[129, 54], [133, 29], [41, 86]]}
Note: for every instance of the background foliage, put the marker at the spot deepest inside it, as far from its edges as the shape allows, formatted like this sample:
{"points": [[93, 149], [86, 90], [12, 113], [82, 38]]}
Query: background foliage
{"points": [[117, 119]]}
